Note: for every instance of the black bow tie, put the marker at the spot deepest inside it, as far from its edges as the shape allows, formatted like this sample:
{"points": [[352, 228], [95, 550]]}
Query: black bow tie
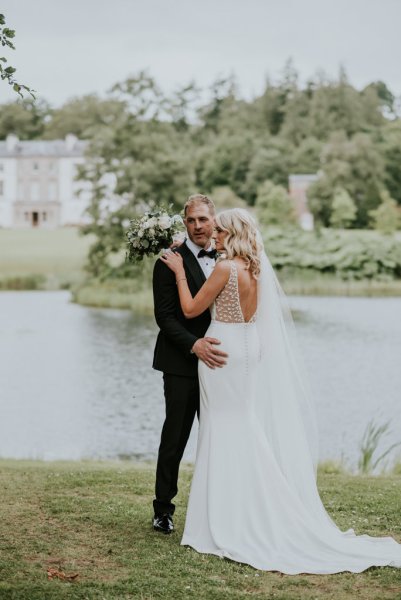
{"points": [[209, 253]]}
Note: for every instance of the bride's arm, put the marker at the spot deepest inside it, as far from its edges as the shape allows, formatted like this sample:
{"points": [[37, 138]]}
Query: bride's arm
{"points": [[192, 307]]}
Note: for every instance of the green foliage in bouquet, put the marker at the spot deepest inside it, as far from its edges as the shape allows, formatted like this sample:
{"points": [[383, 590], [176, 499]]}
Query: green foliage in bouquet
{"points": [[152, 232]]}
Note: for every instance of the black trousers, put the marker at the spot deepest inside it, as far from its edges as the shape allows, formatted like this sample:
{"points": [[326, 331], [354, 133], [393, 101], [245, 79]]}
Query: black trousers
{"points": [[182, 402]]}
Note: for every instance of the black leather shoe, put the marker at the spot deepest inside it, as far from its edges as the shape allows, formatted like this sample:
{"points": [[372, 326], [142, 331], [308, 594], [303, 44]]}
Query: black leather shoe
{"points": [[163, 523]]}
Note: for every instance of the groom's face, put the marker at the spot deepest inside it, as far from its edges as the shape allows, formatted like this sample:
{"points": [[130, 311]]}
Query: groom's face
{"points": [[199, 223]]}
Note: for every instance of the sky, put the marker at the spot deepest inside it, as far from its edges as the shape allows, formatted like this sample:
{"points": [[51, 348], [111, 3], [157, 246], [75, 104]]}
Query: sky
{"points": [[68, 48]]}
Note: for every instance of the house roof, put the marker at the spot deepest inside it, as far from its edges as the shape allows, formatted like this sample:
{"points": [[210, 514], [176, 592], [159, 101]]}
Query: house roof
{"points": [[71, 146]]}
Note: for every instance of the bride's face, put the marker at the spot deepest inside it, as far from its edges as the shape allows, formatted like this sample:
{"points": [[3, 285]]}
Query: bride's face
{"points": [[219, 235]]}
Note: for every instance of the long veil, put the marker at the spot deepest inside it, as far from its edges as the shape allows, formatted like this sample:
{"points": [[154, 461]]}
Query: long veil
{"points": [[287, 414], [284, 402]]}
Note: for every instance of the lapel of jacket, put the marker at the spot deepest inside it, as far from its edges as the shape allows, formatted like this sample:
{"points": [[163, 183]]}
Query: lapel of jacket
{"points": [[193, 266]]}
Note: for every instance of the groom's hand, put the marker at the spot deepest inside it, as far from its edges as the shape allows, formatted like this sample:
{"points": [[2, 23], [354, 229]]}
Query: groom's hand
{"points": [[205, 349]]}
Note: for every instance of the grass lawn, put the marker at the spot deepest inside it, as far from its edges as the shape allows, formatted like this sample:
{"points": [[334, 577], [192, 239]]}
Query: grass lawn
{"points": [[94, 520], [55, 258]]}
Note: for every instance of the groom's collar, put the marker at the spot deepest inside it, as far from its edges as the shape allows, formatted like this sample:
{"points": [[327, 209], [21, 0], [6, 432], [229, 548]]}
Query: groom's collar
{"points": [[192, 263], [195, 249]]}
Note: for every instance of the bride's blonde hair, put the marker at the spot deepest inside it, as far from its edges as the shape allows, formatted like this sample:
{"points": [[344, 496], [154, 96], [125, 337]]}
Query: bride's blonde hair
{"points": [[243, 238]]}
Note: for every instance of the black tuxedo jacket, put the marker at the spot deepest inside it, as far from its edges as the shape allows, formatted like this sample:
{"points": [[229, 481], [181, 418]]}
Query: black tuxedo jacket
{"points": [[177, 334]]}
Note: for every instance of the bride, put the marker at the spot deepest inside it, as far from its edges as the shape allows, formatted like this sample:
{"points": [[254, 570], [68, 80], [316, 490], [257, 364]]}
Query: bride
{"points": [[254, 497]]}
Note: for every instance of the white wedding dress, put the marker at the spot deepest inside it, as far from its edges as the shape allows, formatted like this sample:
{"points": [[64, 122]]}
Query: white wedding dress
{"points": [[254, 497]]}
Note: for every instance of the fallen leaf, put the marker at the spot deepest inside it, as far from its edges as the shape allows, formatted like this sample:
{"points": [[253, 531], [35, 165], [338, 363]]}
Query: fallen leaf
{"points": [[53, 573]]}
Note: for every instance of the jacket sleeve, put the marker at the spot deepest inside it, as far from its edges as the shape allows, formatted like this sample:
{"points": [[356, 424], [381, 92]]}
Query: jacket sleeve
{"points": [[165, 297]]}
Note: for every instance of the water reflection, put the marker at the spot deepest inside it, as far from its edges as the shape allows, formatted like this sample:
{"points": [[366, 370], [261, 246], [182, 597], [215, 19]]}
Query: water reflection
{"points": [[77, 382]]}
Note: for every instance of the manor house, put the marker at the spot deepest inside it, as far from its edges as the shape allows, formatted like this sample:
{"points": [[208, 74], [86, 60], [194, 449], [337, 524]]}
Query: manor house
{"points": [[37, 183]]}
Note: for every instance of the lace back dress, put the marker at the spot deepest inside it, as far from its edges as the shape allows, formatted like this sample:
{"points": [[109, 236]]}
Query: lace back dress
{"points": [[227, 306]]}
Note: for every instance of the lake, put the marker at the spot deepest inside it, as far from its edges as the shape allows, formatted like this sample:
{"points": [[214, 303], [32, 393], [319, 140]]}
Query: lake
{"points": [[77, 382]]}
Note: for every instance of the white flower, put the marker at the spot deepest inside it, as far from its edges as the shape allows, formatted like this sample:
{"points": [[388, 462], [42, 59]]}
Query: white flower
{"points": [[140, 233], [125, 223], [179, 237], [164, 221], [151, 222], [151, 232], [176, 219]]}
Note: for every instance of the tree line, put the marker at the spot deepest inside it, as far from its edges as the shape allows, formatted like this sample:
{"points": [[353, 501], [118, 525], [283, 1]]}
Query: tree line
{"points": [[146, 147]]}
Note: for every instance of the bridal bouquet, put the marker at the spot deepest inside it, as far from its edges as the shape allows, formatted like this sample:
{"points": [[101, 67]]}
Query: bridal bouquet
{"points": [[152, 232]]}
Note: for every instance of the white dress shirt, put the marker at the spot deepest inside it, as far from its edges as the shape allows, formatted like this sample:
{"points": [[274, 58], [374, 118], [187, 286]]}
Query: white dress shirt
{"points": [[206, 263]]}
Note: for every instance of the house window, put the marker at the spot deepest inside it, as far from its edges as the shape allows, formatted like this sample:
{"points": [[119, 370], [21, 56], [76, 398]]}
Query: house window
{"points": [[44, 216], [35, 166], [52, 190], [26, 216], [35, 191], [1, 188], [51, 166]]}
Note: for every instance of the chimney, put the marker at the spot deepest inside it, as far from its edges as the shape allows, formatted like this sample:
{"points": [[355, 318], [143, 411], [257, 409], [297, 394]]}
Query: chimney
{"points": [[11, 143], [70, 141]]}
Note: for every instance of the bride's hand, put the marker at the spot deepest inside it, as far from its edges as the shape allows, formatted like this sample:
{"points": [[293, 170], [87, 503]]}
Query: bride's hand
{"points": [[174, 262]]}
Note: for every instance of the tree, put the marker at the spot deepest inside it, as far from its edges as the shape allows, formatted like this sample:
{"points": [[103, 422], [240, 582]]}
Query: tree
{"points": [[343, 210], [386, 217], [223, 198], [385, 97], [272, 161], [141, 95], [83, 116], [24, 118], [8, 73], [272, 105], [357, 166], [274, 206], [372, 109], [226, 162], [182, 106], [336, 105], [390, 148], [271, 108], [296, 120], [306, 157], [133, 164], [320, 199], [223, 91]]}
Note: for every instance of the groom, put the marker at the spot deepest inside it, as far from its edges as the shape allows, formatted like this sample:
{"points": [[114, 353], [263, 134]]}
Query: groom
{"points": [[179, 346]]}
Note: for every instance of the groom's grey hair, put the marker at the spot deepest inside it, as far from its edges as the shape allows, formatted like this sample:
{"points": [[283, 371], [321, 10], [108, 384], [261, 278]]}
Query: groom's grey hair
{"points": [[199, 199]]}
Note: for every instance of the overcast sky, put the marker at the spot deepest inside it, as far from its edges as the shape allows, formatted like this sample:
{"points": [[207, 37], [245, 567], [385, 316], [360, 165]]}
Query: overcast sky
{"points": [[67, 48]]}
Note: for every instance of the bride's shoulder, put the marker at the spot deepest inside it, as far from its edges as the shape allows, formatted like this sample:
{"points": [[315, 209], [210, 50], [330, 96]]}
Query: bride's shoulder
{"points": [[219, 277], [221, 271], [223, 265]]}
